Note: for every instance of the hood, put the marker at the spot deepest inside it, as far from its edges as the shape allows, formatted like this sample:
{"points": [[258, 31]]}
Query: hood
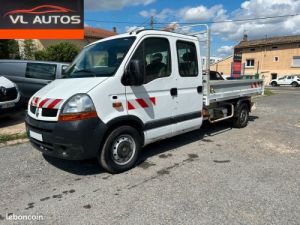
{"points": [[55, 94], [6, 83], [66, 88]]}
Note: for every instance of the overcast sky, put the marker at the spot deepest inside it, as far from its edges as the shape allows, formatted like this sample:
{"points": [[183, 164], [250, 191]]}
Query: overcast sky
{"points": [[132, 13]]}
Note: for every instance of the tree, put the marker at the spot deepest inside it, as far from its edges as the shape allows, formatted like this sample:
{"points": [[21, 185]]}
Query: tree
{"points": [[62, 52], [9, 49], [29, 49]]}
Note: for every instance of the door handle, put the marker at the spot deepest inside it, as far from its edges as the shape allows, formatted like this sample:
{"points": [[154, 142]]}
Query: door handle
{"points": [[174, 92], [199, 89]]}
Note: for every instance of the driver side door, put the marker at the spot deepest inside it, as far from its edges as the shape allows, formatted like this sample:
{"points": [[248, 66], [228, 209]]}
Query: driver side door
{"points": [[153, 101]]}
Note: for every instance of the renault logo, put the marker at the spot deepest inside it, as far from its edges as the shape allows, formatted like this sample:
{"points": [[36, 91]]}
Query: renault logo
{"points": [[37, 112], [3, 90]]}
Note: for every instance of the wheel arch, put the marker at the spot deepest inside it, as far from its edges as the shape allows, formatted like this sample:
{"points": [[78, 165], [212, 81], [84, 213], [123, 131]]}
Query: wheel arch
{"points": [[128, 120], [241, 101]]}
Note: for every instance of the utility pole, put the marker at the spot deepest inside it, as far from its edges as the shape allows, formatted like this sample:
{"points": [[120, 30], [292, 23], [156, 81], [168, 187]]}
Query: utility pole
{"points": [[152, 22]]}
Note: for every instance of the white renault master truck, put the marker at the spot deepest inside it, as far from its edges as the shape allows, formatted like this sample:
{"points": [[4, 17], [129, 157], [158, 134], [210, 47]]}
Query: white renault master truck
{"points": [[127, 91]]}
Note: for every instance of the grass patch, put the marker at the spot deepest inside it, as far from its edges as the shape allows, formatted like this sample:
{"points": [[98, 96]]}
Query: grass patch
{"points": [[269, 92], [12, 137]]}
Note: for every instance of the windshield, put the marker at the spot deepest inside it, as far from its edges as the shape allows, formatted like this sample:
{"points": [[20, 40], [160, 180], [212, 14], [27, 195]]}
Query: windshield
{"points": [[101, 59]]}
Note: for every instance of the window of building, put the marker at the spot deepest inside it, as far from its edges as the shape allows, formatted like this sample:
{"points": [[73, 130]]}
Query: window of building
{"points": [[252, 49], [274, 76], [41, 71], [296, 61], [250, 62], [187, 59], [155, 55], [276, 59], [274, 47]]}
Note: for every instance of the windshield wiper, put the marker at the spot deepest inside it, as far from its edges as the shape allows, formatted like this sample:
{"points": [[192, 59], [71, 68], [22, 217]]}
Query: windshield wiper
{"points": [[86, 71]]}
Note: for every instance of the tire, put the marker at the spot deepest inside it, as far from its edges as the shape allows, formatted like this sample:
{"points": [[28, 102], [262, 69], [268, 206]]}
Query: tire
{"points": [[120, 150], [241, 116], [294, 84], [274, 84]]}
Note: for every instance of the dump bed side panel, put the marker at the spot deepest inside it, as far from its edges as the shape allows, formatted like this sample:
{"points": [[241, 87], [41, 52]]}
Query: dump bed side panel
{"points": [[231, 89]]}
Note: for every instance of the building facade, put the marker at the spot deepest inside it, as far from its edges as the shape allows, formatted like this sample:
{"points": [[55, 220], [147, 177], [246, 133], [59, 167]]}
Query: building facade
{"points": [[223, 66], [270, 57]]}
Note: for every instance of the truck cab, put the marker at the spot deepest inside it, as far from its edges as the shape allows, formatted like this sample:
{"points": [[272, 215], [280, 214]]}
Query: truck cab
{"points": [[125, 92]]}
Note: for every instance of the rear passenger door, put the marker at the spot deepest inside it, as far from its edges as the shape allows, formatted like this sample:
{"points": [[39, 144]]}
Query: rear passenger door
{"points": [[153, 102], [189, 86], [37, 76]]}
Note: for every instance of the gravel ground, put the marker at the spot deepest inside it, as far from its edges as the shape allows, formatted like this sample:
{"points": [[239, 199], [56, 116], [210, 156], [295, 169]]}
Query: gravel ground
{"points": [[216, 175]]}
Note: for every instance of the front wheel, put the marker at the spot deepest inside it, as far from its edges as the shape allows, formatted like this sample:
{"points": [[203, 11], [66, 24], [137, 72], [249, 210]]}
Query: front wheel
{"points": [[294, 84], [241, 116], [120, 150], [274, 84]]}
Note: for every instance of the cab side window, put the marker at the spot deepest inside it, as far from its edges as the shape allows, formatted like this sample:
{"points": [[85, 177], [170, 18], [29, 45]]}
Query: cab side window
{"points": [[187, 59], [155, 57]]}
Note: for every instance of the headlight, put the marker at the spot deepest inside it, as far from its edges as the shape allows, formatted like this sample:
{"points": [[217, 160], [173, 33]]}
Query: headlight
{"points": [[78, 107]]}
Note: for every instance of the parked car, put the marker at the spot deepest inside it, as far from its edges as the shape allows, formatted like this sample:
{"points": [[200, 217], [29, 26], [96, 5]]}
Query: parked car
{"points": [[31, 76], [214, 75], [292, 80], [9, 97]]}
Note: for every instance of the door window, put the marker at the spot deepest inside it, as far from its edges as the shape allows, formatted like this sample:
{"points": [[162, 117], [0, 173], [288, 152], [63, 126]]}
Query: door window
{"points": [[41, 71], [187, 59], [155, 57], [296, 61], [274, 76]]}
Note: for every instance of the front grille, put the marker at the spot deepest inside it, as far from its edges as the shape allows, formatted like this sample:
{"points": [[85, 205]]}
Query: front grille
{"points": [[45, 112], [49, 112], [9, 94]]}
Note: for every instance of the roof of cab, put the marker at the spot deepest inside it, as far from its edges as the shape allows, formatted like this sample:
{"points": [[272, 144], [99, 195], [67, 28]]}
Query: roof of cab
{"points": [[140, 33]]}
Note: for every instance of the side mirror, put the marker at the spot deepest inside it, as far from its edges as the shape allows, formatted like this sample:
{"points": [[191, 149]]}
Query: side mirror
{"points": [[133, 75]]}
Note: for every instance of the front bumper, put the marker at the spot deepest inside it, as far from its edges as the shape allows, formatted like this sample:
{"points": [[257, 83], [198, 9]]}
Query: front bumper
{"points": [[11, 110], [68, 140]]}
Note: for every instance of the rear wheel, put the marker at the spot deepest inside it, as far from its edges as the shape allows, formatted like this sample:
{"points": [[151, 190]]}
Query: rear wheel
{"points": [[274, 84], [294, 84], [120, 150], [241, 116]]}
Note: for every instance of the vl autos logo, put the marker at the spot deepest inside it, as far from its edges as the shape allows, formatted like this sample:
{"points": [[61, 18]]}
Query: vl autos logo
{"points": [[42, 19], [43, 16]]}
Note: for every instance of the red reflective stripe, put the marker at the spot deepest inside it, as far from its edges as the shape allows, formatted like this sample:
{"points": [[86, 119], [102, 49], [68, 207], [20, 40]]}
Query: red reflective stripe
{"points": [[34, 101], [130, 106], [153, 100], [54, 103], [142, 103], [42, 103]]}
